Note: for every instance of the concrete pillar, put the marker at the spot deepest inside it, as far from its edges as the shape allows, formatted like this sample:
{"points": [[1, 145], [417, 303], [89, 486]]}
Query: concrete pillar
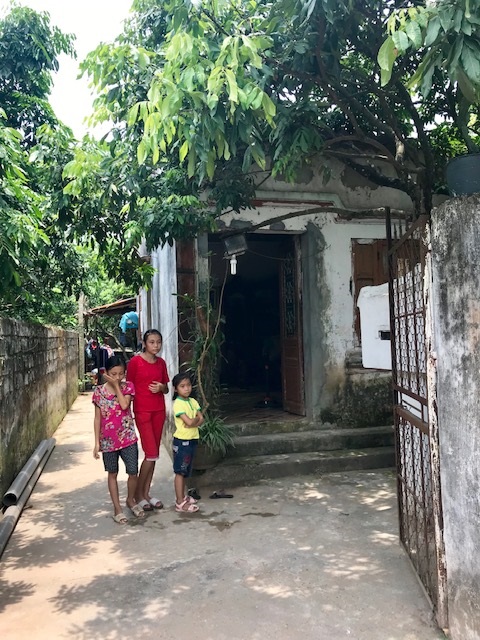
{"points": [[456, 314]]}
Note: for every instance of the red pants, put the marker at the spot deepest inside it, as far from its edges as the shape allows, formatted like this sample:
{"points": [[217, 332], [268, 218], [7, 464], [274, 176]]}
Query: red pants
{"points": [[150, 427]]}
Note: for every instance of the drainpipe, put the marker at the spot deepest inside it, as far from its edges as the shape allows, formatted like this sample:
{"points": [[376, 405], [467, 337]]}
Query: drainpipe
{"points": [[20, 490], [18, 485]]}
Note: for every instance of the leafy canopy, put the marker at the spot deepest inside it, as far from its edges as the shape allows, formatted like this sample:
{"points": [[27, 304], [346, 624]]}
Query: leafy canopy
{"points": [[447, 33], [43, 261], [284, 80], [208, 97], [29, 50]]}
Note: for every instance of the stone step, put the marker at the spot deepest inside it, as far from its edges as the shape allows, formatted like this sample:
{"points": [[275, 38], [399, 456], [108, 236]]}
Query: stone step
{"points": [[242, 471], [271, 426], [315, 440], [262, 427]]}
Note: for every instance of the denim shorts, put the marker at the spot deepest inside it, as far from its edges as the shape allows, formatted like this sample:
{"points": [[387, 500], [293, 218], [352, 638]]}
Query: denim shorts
{"points": [[129, 455], [183, 453]]}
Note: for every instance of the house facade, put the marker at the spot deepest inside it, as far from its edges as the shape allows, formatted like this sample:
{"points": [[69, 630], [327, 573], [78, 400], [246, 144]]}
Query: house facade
{"points": [[301, 276], [290, 320]]}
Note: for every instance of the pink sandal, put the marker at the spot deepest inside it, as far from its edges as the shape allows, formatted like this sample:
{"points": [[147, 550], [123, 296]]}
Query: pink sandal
{"points": [[186, 507]]}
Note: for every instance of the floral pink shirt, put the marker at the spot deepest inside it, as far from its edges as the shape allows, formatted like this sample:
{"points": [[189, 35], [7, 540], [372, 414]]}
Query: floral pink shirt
{"points": [[117, 429]]}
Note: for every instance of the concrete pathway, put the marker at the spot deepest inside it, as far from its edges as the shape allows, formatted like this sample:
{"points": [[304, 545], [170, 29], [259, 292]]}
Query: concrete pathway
{"points": [[302, 558]]}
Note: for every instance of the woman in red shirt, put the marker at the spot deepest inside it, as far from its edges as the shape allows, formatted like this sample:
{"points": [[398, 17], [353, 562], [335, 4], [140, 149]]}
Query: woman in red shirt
{"points": [[148, 372]]}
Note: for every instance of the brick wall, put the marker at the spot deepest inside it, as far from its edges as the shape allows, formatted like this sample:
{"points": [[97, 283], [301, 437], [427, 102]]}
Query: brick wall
{"points": [[38, 384]]}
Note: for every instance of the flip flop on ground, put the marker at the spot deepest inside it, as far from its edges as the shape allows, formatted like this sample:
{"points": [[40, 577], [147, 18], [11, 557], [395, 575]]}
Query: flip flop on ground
{"points": [[186, 507], [220, 494], [120, 518]]}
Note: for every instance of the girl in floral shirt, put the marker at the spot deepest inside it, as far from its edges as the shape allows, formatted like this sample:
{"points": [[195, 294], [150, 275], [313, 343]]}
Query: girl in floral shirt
{"points": [[115, 434]]}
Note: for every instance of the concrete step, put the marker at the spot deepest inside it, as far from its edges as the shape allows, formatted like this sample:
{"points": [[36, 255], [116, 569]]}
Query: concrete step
{"points": [[314, 440], [271, 426], [243, 471], [262, 427]]}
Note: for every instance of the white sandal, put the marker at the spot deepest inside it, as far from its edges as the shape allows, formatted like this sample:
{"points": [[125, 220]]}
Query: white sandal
{"points": [[137, 510], [156, 503], [120, 518]]}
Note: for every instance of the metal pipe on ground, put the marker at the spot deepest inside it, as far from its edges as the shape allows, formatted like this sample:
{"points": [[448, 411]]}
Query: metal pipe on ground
{"points": [[13, 513], [16, 488]]}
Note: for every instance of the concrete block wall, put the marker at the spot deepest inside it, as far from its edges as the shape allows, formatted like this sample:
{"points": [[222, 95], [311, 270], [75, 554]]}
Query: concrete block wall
{"points": [[38, 384]]}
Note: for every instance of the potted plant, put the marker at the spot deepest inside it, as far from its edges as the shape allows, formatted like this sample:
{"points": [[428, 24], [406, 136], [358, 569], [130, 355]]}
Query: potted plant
{"points": [[215, 438], [206, 340]]}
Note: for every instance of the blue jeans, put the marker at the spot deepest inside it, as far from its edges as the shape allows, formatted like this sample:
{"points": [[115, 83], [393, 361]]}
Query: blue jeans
{"points": [[183, 453]]}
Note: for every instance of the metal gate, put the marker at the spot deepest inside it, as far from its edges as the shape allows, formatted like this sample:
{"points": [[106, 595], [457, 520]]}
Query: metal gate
{"points": [[415, 418]]}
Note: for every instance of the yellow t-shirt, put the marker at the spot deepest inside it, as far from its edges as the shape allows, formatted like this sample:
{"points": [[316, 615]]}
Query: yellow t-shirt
{"points": [[189, 407]]}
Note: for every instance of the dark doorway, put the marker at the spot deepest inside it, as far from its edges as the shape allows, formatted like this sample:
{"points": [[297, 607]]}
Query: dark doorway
{"points": [[251, 310]]}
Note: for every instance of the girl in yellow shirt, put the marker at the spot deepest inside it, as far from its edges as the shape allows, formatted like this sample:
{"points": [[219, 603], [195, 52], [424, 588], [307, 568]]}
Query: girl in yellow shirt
{"points": [[188, 417]]}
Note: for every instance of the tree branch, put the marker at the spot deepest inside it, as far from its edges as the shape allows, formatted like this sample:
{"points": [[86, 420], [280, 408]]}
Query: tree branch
{"points": [[325, 82], [387, 157]]}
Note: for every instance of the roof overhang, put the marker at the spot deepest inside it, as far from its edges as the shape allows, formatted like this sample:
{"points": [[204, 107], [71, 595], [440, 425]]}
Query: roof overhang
{"points": [[119, 307]]}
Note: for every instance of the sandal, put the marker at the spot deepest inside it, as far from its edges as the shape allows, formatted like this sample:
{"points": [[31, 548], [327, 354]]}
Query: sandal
{"points": [[193, 493], [145, 505], [156, 503], [190, 500], [216, 495], [186, 507], [137, 510], [120, 518]]}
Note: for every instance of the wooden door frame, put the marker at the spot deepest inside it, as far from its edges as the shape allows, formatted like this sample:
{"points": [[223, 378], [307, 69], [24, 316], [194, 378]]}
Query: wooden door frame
{"points": [[292, 352]]}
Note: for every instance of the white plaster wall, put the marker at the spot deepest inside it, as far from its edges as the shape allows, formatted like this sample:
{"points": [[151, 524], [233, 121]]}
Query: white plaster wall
{"points": [[338, 267], [338, 237], [344, 190]]}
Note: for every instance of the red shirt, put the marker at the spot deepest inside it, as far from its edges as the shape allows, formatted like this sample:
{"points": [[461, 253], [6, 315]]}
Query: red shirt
{"points": [[142, 373]]}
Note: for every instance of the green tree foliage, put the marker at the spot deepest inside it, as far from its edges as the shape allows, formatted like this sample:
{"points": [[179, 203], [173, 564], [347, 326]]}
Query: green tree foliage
{"points": [[118, 204], [21, 228], [112, 196], [201, 94], [207, 98], [43, 261], [29, 50], [447, 33], [237, 80]]}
